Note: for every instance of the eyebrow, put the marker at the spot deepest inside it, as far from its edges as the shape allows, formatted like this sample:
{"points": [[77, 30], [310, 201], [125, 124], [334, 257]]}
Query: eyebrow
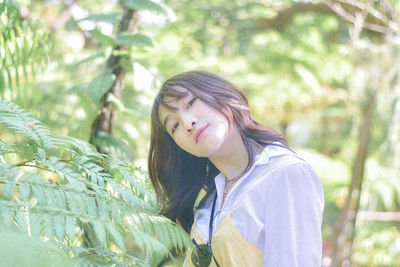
{"points": [[173, 108]]}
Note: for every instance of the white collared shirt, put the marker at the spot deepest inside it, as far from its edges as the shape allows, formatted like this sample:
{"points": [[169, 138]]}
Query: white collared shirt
{"points": [[281, 214]]}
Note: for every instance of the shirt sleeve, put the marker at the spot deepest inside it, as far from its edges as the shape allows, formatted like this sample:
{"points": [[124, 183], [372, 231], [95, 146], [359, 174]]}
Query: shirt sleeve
{"points": [[293, 218]]}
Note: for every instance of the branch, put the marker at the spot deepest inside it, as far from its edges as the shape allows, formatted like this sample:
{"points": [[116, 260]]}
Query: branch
{"points": [[22, 163], [106, 117], [375, 22], [285, 15], [378, 216]]}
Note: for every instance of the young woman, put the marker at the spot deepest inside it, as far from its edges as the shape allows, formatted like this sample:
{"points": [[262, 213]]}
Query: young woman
{"points": [[257, 202]]}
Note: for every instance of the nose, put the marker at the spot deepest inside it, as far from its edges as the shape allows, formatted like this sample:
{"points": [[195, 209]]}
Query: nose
{"points": [[189, 122]]}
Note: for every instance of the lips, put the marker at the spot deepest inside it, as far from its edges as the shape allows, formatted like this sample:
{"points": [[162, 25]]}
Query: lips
{"points": [[199, 132]]}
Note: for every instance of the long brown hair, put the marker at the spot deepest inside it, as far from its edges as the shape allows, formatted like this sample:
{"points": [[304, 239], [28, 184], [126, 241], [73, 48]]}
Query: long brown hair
{"points": [[178, 176]]}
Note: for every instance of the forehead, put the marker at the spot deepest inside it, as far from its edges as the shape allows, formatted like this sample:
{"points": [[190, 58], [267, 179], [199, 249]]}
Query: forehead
{"points": [[169, 101]]}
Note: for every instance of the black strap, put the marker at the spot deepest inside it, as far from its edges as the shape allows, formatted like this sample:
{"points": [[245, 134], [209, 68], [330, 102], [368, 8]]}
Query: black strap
{"points": [[210, 226]]}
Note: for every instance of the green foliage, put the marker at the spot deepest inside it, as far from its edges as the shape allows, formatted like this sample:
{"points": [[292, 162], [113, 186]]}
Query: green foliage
{"points": [[377, 244], [103, 39], [99, 86], [20, 250], [112, 17], [144, 5], [98, 209], [25, 49], [113, 146], [125, 39]]}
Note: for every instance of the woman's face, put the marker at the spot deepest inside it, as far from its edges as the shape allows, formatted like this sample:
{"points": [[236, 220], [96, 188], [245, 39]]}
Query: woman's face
{"points": [[195, 126]]}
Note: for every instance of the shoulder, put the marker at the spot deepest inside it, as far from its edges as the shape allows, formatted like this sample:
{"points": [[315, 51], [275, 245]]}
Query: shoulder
{"points": [[280, 159], [285, 169]]}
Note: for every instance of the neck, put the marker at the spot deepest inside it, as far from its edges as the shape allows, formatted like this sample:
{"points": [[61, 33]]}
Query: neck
{"points": [[232, 157]]}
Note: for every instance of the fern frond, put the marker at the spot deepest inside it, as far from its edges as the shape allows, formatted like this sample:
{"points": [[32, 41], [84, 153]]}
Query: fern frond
{"points": [[22, 122], [26, 46], [82, 198]]}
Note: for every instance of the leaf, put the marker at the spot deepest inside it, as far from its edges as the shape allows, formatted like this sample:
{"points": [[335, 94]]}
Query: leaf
{"points": [[48, 223], [9, 188], [83, 147], [7, 171], [35, 224], [103, 209], [99, 86], [21, 222], [74, 202], [86, 104], [100, 231], [4, 147], [111, 17], [2, 83], [126, 64], [151, 245], [38, 193], [116, 235], [70, 226], [102, 38], [144, 5], [24, 191], [40, 155], [113, 145], [59, 226], [125, 39], [116, 211], [86, 60], [22, 122], [7, 215]]}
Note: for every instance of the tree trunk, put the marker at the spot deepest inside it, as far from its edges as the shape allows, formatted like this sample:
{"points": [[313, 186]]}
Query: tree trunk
{"points": [[345, 234], [107, 113]]}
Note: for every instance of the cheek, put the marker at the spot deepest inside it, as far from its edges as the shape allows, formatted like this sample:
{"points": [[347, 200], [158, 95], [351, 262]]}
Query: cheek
{"points": [[221, 129]]}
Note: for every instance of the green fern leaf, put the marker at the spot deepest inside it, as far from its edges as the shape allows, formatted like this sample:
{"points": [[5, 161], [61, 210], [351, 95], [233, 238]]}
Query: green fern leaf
{"points": [[59, 226], [22, 122], [21, 220], [103, 209], [115, 235], [8, 172], [70, 227], [35, 224], [38, 194], [7, 215], [88, 207], [81, 147], [151, 245], [24, 191], [9, 188], [40, 155], [4, 147], [91, 206], [48, 224], [116, 211], [74, 203], [100, 231]]}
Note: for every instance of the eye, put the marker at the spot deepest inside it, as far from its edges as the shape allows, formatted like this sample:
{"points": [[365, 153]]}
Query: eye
{"points": [[175, 127], [191, 102]]}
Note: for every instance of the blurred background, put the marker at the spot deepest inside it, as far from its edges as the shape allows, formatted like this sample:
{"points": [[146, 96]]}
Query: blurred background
{"points": [[326, 74]]}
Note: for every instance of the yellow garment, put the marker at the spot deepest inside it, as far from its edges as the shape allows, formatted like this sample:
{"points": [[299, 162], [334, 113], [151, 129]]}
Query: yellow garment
{"points": [[233, 249]]}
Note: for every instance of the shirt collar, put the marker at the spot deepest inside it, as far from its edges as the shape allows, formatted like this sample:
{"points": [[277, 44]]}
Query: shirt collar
{"points": [[263, 158]]}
